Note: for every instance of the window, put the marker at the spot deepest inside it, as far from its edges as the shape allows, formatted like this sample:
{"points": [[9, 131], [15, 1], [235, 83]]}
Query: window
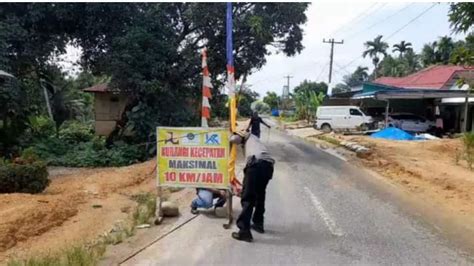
{"points": [[355, 112]]}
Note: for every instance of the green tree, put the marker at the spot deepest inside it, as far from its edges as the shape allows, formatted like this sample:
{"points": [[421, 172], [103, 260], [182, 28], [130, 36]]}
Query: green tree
{"points": [[392, 67], [357, 78], [12, 114], [317, 87], [307, 102], [402, 47], [373, 49], [445, 47], [245, 98], [438, 52], [340, 88], [272, 99], [428, 54], [461, 16], [260, 107], [150, 50]]}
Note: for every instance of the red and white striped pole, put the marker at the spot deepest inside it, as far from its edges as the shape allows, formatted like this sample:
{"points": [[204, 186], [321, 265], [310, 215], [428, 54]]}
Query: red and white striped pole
{"points": [[206, 91]]}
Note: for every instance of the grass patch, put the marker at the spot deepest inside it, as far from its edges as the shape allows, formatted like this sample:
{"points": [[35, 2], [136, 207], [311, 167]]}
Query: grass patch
{"points": [[329, 139], [146, 208], [74, 256]]}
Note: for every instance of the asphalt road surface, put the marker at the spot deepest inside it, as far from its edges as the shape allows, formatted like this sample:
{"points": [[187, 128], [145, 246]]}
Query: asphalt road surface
{"points": [[320, 210]]}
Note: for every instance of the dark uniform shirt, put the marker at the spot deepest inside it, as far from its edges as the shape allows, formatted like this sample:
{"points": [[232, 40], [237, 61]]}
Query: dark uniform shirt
{"points": [[255, 124]]}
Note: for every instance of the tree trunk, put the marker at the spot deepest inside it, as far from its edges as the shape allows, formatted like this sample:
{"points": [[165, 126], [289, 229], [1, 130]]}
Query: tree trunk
{"points": [[46, 98], [466, 110]]}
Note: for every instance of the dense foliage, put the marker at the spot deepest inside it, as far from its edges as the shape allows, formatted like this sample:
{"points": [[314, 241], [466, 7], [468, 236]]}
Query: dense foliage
{"points": [[461, 16], [149, 51], [272, 99], [77, 146], [245, 98], [24, 175], [308, 96]]}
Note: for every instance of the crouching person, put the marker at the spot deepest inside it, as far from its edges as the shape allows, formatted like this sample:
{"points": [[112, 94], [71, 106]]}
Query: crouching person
{"points": [[257, 173], [205, 199]]}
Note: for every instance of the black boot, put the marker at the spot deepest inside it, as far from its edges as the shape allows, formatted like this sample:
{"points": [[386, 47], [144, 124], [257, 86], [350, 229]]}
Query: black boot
{"points": [[247, 237], [258, 228]]}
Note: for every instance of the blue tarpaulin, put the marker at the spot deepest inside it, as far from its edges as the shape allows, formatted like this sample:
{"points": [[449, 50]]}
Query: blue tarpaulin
{"points": [[393, 133]]}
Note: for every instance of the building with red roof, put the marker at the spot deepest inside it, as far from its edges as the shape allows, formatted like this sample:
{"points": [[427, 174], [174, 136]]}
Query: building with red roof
{"points": [[435, 87], [434, 77]]}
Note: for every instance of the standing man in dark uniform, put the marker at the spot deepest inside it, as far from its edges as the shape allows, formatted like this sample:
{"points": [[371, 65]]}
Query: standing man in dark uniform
{"points": [[257, 173], [255, 124]]}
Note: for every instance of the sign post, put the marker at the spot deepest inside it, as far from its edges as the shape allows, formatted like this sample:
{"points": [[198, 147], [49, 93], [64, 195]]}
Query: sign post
{"points": [[192, 157]]}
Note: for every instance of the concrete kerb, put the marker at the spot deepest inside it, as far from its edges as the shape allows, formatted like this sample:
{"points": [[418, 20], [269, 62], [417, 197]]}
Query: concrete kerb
{"points": [[360, 150]]}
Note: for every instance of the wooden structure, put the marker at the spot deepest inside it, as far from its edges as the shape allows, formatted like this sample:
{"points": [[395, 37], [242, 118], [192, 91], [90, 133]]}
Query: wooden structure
{"points": [[108, 108]]}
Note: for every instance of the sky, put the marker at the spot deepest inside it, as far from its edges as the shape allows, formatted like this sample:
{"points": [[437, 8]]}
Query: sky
{"points": [[353, 22]]}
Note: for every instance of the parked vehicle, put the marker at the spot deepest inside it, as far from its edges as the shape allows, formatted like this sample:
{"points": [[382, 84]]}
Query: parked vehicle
{"points": [[342, 117], [410, 122]]}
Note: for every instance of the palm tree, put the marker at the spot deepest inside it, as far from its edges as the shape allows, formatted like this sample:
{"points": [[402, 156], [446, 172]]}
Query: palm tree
{"points": [[445, 48], [374, 48], [361, 73], [428, 54], [402, 47]]}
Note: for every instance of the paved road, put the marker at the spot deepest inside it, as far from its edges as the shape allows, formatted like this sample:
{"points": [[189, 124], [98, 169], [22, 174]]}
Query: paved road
{"points": [[319, 211]]}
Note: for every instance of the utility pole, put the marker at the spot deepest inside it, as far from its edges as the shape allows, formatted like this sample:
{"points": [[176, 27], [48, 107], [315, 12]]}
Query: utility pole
{"points": [[286, 93], [332, 42], [286, 90]]}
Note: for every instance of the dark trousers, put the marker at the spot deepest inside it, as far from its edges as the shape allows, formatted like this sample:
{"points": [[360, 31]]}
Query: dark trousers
{"points": [[256, 133], [255, 182]]}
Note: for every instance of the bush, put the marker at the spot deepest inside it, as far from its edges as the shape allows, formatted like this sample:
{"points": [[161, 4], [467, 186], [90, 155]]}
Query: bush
{"points": [[23, 178], [88, 154], [41, 126], [260, 107], [76, 132], [468, 141]]}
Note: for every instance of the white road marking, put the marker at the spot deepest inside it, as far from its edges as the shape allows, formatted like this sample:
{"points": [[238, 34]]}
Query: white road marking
{"points": [[334, 153], [330, 224]]}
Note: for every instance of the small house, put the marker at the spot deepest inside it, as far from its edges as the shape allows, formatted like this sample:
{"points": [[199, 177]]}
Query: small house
{"points": [[109, 105]]}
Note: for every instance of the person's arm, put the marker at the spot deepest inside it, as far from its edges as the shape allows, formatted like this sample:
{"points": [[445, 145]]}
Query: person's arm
{"points": [[217, 191], [250, 124], [263, 122]]}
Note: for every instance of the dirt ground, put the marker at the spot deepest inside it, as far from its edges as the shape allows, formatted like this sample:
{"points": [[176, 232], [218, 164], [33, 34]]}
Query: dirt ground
{"points": [[78, 206], [427, 168]]}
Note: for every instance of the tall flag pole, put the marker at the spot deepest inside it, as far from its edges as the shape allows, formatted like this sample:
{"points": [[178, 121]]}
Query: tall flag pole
{"points": [[206, 91], [231, 89]]}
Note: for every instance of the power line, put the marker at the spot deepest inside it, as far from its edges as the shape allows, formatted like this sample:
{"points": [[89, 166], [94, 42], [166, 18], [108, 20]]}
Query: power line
{"points": [[380, 21], [371, 12], [365, 12], [411, 21], [340, 68], [352, 21], [322, 70], [392, 34]]}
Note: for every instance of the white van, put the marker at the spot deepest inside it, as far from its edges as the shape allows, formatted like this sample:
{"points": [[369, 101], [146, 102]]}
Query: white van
{"points": [[341, 117]]}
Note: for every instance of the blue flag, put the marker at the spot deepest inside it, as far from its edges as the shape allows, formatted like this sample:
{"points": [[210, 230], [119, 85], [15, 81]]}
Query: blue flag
{"points": [[230, 57]]}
